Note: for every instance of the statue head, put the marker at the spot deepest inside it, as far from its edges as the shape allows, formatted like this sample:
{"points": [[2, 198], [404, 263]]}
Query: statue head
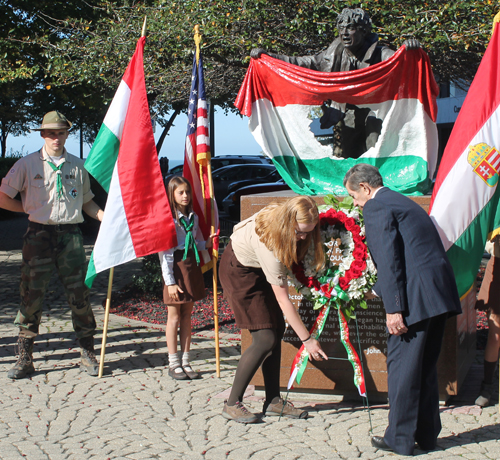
{"points": [[353, 26]]}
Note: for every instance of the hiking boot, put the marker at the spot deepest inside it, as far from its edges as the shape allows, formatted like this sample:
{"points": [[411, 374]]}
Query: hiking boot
{"points": [[285, 409], [24, 364], [484, 397], [89, 362], [238, 413]]}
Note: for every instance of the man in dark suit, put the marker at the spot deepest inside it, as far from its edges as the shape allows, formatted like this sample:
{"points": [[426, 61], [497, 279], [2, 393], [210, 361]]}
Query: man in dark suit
{"points": [[417, 285]]}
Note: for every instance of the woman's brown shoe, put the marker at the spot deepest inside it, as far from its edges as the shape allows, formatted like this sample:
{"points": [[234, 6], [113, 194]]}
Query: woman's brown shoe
{"points": [[285, 409], [239, 413]]}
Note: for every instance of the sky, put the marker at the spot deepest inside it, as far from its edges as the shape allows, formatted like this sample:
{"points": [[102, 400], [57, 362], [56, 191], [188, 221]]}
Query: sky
{"points": [[232, 137]]}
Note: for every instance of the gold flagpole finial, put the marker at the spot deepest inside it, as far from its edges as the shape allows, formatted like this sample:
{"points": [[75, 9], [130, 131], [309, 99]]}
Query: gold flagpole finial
{"points": [[143, 33], [197, 41]]}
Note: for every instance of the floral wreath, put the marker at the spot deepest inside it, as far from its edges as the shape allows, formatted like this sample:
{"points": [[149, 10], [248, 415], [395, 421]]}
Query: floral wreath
{"points": [[342, 284]]}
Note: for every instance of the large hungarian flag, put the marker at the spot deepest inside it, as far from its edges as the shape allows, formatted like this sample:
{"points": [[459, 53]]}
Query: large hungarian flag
{"points": [[464, 205], [284, 103], [197, 160], [137, 219]]}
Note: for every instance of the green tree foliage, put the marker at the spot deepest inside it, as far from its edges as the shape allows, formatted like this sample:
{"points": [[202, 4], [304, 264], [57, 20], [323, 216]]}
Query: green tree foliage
{"points": [[79, 50], [27, 41]]}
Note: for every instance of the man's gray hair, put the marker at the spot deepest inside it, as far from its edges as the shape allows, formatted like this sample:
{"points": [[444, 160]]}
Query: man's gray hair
{"points": [[363, 172], [356, 16]]}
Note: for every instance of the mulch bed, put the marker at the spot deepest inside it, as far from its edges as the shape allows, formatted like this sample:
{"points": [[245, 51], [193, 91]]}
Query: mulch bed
{"points": [[150, 308], [133, 304]]}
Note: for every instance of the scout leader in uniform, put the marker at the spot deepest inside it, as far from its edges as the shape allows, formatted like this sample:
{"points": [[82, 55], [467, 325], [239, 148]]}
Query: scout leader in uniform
{"points": [[54, 190]]}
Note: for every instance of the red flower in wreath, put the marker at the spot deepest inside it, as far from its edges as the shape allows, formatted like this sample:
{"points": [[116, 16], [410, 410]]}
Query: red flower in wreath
{"points": [[332, 218]]}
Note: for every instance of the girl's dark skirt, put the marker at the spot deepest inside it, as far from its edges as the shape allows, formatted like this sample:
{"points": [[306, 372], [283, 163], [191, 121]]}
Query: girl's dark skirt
{"points": [[188, 277], [249, 294], [489, 294]]}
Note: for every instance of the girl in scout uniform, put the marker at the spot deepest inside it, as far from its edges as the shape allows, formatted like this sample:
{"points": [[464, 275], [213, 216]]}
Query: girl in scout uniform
{"points": [[183, 280], [253, 274]]}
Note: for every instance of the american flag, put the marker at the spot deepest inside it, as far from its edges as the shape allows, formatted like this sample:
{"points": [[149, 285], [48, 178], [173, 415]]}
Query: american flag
{"points": [[197, 159]]}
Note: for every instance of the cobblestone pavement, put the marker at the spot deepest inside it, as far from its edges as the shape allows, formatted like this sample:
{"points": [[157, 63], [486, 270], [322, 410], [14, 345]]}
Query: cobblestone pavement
{"points": [[136, 411]]}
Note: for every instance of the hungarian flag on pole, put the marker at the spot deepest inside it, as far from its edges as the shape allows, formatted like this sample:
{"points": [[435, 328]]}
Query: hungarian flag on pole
{"points": [[137, 220], [197, 160], [284, 103], [464, 204]]}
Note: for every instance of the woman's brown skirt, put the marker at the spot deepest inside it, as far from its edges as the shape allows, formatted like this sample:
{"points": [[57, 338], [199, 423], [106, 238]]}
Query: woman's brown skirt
{"points": [[188, 277], [249, 294], [489, 294]]}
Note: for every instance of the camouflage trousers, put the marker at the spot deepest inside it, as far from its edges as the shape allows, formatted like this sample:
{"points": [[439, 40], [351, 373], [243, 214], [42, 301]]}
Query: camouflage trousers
{"points": [[43, 251]]}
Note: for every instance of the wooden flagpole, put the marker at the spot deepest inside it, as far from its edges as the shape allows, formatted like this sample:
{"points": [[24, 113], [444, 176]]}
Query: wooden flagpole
{"points": [[197, 41], [496, 21], [106, 320], [110, 286]]}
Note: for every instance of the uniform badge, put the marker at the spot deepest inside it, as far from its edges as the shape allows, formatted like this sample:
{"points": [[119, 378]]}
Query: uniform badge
{"points": [[485, 162], [73, 192], [38, 177]]}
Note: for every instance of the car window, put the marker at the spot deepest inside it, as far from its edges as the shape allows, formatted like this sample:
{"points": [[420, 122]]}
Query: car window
{"points": [[275, 175], [260, 172], [240, 173], [176, 170], [226, 175]]}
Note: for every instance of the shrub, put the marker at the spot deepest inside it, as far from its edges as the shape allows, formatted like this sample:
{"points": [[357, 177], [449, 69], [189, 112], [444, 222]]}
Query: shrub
{"points": [[150, 282]]}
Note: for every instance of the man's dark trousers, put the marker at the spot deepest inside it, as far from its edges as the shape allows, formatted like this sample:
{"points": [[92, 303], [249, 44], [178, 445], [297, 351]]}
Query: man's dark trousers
{"points": [[413, 385]]}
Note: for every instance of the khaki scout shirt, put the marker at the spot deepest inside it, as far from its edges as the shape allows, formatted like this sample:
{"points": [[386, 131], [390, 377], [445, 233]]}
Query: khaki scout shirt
{"points": [[251, 252], [33, 177]]}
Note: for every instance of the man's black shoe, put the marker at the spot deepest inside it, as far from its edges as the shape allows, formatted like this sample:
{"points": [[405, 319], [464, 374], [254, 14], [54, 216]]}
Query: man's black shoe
{"points": [[425, 448], [379, 443]]}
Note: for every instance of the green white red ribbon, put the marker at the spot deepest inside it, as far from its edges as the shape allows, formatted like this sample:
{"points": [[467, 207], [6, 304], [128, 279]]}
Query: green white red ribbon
{"points": [[300, 361], [359, 378]]}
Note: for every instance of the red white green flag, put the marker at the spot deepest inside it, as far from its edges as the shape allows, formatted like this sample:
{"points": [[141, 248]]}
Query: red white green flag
{"points": [[284, 104], [137, 219], [464, 205]]}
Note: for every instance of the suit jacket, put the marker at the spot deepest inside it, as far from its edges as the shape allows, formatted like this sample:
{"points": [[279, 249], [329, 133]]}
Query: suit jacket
{"points": [[414, 274]]}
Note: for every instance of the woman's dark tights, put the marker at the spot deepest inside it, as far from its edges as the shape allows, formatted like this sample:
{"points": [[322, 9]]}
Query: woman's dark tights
{"points": [[266, 351]]}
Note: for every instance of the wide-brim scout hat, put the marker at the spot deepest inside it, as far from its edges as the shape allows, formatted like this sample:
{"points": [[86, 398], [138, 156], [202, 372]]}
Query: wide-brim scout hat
{"points": [[54, 120]]}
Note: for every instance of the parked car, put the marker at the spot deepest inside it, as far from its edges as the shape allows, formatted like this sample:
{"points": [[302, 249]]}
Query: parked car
{"points": [[226, 160], [274, 176], [225, 176], [232, 203]]}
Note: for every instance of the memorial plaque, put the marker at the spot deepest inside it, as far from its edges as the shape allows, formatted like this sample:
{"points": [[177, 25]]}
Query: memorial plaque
{"points": [[336, 376]]}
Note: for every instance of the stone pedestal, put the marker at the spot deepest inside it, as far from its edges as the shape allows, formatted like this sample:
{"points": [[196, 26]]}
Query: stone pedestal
{"points": [[336, 375]]}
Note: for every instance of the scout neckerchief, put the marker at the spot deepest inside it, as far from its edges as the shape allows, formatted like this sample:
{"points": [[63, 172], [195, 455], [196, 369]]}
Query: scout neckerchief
{"points": [[187, 225], [57, 170]]}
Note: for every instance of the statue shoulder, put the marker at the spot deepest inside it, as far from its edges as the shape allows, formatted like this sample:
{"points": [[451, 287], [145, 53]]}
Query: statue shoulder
{"points": [[333, 46], [376, 51]]}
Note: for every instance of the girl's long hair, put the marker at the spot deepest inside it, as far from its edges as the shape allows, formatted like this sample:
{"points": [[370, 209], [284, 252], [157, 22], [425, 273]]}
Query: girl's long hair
{"points": [[276, 224], [173, 183]]}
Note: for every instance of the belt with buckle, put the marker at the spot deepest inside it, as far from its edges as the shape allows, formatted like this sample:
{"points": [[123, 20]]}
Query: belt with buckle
{"points": [[60, 228]]}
